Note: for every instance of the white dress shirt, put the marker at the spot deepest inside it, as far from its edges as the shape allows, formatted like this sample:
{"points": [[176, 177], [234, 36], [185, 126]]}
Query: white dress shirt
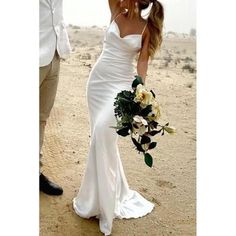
{"points": [[52, 32]]}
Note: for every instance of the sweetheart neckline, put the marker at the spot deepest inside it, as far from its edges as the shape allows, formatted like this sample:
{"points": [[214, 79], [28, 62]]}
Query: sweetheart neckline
{"points": [[127, 34]]}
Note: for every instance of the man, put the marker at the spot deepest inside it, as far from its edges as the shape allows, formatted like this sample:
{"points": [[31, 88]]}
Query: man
{"points": [[54, 44]]}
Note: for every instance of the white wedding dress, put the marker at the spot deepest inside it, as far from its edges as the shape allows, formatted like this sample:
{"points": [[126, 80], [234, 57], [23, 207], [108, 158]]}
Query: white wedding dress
{"points": [[104, 191]]}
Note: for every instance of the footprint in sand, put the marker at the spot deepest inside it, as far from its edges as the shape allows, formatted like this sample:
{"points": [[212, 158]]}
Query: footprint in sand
{"points": [[167, 184]]}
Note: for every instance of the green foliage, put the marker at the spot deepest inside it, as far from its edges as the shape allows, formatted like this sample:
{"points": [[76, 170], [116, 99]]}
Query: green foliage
{"points": [[144, 112], [145, 139], [152, 145], [137, 145], [123, 132], [148, 159], [124, 104], [138, 80]]}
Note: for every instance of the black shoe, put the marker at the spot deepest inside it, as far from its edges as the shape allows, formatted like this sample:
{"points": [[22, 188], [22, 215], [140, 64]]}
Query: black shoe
{"points": [[49, 187]]}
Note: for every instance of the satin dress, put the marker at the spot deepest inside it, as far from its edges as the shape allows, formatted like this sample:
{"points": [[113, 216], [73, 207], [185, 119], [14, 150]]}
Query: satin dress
{"points": [[104, 190]]}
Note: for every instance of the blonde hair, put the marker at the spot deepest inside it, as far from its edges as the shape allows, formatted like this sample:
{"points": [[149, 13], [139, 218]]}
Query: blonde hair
{"points": [[155, 25], [155, 22]]}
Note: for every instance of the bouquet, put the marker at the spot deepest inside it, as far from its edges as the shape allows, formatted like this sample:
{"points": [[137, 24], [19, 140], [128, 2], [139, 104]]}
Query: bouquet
{"points": [[137, 113]]}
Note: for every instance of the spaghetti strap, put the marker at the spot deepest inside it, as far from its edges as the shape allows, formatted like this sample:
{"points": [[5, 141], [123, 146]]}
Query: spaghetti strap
{"points": [[117, 16], [144, 28]]}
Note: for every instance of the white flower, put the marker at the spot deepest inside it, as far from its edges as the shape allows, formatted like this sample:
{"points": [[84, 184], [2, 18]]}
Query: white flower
{"points": [[139, 125], [155, 114], [140, 119], [143, 96]]}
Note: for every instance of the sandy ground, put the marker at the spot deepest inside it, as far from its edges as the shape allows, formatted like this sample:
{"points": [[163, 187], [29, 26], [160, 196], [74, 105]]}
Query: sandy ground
{"points": [[170, 184]]}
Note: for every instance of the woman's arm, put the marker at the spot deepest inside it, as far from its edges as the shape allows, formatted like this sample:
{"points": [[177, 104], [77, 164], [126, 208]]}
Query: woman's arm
{"points": [[142, 64], [114, 8]]}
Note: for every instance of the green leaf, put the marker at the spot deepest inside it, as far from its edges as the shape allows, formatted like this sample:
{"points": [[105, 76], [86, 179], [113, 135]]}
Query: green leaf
{"points": [[152, 145], [137, 145], [154, 124], [138, 80], [127, 93], [154, 132], [127, 124], [123, 132], [146, 110], [153, 94], [135, 108], [114, 127], [125, 100], [148, 159], [145, 139]]}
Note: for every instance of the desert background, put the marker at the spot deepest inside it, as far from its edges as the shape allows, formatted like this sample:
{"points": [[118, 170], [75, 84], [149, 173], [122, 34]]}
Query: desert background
{"points": [[170, 184]]}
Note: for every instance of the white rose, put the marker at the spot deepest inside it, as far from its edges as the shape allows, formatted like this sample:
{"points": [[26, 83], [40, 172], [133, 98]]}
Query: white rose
{"points": [[143, 96], [139, 125]]}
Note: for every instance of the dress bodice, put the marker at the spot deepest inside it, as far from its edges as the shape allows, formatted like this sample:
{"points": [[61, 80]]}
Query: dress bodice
{"points": [[120, 48], [116, 62]]}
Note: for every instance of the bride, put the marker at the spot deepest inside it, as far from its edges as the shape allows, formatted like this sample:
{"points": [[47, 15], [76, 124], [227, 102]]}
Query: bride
{"points": [[104, 191]]}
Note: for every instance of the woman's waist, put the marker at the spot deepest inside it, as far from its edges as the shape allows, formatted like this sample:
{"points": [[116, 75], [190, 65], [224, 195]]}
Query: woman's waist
{"points": [[115, 66], [103, 71], [117, 57]]}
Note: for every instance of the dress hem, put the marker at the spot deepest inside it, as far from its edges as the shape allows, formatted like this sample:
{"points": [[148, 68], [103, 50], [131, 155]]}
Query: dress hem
{"points": [[115, 217]]}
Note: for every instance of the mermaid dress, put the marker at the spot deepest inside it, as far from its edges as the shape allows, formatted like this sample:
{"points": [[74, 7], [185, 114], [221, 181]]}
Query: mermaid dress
{"points": [[104, 190]]}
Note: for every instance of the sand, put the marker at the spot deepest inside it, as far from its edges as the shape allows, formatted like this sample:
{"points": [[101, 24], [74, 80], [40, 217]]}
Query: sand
{"points": [[170, 184]]}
